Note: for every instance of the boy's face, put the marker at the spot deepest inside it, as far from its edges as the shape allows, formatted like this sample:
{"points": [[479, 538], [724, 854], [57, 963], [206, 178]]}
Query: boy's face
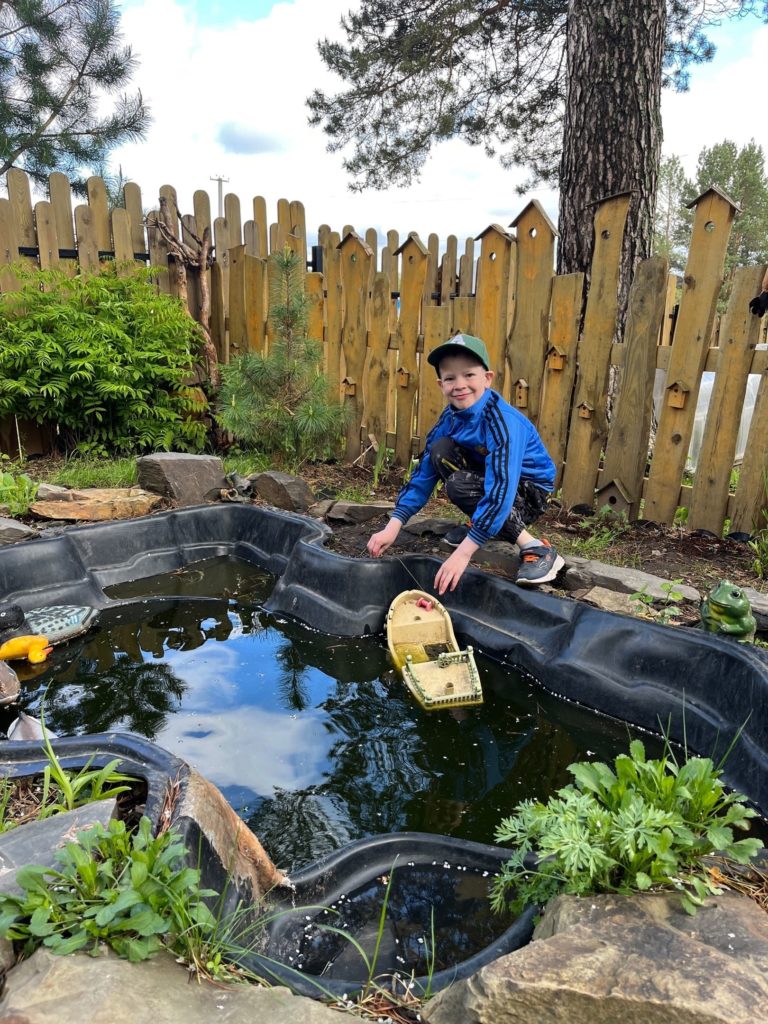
{"points": [[463, 380]]}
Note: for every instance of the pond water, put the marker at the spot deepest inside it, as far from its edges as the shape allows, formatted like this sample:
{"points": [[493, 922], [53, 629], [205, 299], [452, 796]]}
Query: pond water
{"points": [[312, 739]]}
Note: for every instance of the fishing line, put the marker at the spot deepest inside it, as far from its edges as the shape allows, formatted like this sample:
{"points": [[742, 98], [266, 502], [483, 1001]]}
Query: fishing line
{"points": [[417, 582]]}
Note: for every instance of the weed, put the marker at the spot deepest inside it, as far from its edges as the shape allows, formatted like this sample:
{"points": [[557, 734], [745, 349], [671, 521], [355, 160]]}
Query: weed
{"points": [[605, 527], [17, 492], [645, 825], [670, 608], [355, 494], [130, 892], [759, 541], [247, 462], [681, 517]]}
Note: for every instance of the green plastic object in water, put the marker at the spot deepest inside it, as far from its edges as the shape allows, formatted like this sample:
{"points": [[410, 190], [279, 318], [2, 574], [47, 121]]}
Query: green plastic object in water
{"points": [[726, 609]]}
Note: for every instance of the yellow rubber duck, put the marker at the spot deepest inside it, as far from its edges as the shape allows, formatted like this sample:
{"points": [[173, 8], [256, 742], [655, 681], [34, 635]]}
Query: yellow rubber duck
{"points": [[34, 648]]}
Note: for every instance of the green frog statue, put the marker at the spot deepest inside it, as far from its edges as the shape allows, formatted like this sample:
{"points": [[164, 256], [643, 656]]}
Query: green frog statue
{"points": [[726, 609]]}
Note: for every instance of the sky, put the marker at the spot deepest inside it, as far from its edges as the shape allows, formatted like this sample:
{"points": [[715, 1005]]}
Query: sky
{"points": [[227, 83]]}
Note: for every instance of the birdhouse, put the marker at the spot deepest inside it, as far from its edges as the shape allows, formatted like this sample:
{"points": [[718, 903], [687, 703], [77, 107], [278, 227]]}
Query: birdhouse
{"points": [[615, 496], [677, 394], [556, 358], [349, 386], [403, 377], [585, 411], [521, 393]]}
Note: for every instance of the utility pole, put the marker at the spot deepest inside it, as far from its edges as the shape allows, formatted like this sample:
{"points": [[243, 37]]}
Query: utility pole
{"points": [[221, 180]]}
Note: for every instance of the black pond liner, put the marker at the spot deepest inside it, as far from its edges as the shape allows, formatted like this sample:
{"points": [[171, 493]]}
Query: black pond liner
{"points": [[700, 688]]}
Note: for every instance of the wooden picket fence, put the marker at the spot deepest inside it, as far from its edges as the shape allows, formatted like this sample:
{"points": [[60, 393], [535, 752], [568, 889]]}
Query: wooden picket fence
{"points": [[553, 350]]}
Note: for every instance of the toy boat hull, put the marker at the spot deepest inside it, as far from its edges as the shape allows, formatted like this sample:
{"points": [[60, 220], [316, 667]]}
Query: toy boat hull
{"points": [[424, 650]]}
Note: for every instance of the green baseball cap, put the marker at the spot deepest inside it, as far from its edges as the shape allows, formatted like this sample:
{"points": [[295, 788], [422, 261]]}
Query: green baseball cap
{"points": [[455, 346]]}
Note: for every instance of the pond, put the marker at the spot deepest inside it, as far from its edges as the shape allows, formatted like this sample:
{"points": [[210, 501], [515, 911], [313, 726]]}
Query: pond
{"points": [[312, 739]]}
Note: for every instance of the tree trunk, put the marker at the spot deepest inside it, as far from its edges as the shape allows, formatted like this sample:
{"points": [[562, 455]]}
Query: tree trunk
{"points": [[612, 132]]}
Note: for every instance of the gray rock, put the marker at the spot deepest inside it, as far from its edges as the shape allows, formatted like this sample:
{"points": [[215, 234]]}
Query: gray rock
{"points": [[48, 989], [37, 841], [624, 960], [320, 509], [608, 600], [283, 491], [584, 573], [351, 512], [11, 531], [52, 492], [419, 525], [186, 479]]}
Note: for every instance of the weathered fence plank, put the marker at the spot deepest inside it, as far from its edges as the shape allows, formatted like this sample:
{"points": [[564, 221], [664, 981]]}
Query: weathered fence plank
{"points": [[431, 403], [233, 219], [256, 304], [121, 238], [47, 240], [87, 239], [9, 247], [413, 285], [356, 260], [237, 330], [132, 200], [529, 338], [626, 451], [99, 204], [589, 422], [560, 371], [701, 285], [492, 296], [334, 299], [377, 375], [739, 332], [262, 226]]}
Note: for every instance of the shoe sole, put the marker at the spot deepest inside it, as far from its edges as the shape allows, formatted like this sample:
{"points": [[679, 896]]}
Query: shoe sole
{"points": [[557, 565]]}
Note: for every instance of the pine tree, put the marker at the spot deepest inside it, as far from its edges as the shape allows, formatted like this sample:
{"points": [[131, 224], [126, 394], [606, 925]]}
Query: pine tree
{"points": [[279, 403], [672, 226], [59, 59]]}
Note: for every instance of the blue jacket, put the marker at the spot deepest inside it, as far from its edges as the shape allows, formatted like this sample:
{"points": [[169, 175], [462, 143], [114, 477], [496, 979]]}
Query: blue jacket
{"points": [[513, 451]]}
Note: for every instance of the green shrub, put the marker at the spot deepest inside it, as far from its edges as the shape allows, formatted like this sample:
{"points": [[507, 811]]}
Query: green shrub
{"points": [[279, 403], [648, 824], [103, 358]]}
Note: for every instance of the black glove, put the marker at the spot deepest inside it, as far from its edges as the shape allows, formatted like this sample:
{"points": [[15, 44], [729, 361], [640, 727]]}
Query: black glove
{"points": [[759, 305]]}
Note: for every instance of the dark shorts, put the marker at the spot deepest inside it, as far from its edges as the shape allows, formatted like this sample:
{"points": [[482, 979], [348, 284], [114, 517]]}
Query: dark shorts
{"points": [[463, 474]]}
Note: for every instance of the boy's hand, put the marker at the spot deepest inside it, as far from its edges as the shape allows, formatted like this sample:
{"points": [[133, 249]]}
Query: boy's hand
{"points": [[380, 541], [452, 569]]}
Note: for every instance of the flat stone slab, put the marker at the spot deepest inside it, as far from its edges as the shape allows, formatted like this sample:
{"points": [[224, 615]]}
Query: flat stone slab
{"points": [[759, 604], [48, 989], [97, 504], [584, 573], [351, 512], [624, 960], [608, 600]]}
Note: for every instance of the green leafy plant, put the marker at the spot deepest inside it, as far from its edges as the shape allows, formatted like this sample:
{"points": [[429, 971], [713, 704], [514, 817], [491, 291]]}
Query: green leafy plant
{"points": [[17, 492], [645, 824], [279, 403], [103, 357], [681, 517], [130, 891]]}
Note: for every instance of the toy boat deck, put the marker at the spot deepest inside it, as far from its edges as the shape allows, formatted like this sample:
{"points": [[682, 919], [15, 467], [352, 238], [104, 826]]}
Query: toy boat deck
{"points": [[424, 650]]}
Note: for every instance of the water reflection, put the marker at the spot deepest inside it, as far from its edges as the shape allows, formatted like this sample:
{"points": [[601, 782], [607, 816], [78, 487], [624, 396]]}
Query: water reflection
{"points": [[312, 739]]}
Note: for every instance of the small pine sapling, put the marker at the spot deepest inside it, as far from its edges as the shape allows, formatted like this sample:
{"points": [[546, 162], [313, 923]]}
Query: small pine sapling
{"points": [[279, 402]]}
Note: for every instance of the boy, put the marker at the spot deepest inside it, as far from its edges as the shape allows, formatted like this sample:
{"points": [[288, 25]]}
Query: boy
{"points": [[493, 463]]}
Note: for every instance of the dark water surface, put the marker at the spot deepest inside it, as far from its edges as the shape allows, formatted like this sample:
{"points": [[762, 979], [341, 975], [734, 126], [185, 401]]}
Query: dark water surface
{"points": [[312, 739]]}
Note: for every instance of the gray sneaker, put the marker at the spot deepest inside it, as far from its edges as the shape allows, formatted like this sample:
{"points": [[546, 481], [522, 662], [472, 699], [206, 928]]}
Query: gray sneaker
{"points": [[539, 564], [456, 535]]}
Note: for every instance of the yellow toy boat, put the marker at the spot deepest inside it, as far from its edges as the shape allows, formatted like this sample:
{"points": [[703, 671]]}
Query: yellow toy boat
{"points": [[34, 648], [424, 650]]}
